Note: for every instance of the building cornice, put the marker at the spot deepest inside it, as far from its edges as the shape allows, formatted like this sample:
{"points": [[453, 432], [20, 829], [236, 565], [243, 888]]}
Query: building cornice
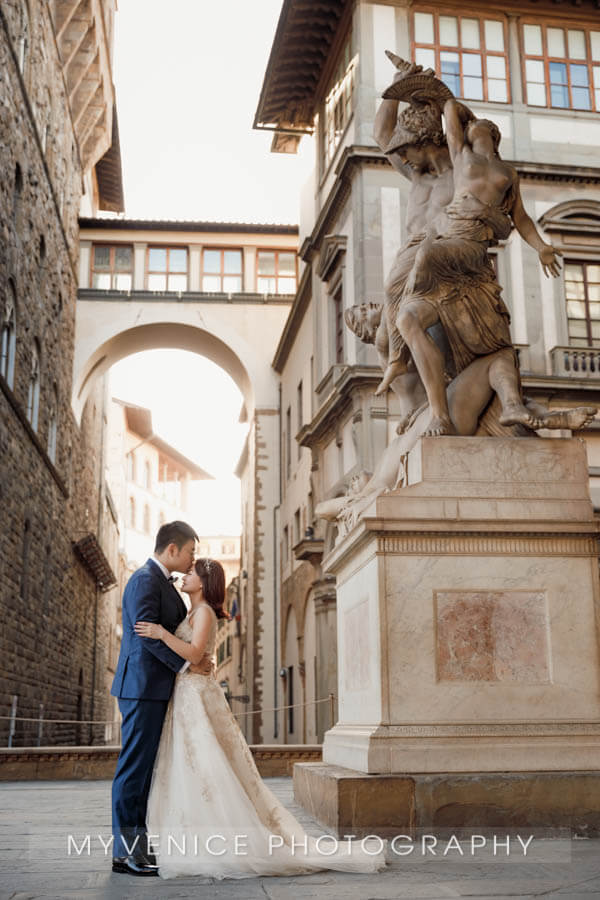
{"points": [[112, 296], [185, 225], [337, 402]]}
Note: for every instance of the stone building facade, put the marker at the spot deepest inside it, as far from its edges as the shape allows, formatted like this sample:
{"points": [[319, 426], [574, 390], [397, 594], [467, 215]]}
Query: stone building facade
{"points": [[58, 154], [534, 69]]}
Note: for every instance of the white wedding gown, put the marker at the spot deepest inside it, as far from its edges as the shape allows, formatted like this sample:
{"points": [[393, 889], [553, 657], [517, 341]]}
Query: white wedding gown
{"points": [[206, 795]]}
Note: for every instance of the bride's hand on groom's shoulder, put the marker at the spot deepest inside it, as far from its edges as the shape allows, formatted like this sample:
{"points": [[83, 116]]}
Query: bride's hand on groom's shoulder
{"points": [[149, 630]]}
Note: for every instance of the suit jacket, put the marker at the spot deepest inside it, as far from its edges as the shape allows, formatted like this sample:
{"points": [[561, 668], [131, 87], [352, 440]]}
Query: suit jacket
{"points": [[146, 669]]}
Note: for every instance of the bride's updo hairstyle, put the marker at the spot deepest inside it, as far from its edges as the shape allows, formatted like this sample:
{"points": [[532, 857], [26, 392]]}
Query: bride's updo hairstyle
{"points": [[212, 576]]}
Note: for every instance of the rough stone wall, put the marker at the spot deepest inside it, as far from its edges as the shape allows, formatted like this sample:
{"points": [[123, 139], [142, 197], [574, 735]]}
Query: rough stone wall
{"points": [[47, 597]]}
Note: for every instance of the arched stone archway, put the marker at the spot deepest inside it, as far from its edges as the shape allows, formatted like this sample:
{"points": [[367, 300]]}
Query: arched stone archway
{"points": [[240, 337]]}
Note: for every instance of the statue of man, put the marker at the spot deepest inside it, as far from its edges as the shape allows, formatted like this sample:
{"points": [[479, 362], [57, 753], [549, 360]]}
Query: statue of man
{"points": [[416, 147], [452, 280]]}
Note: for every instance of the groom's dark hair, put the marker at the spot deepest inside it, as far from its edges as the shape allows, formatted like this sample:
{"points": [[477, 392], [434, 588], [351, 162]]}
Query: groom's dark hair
{"points": [[178, 533]]}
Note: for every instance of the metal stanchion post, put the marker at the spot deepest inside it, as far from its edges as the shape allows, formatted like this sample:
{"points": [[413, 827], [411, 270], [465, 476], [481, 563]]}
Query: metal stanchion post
{"points": [[40, 725], [13, 716]]}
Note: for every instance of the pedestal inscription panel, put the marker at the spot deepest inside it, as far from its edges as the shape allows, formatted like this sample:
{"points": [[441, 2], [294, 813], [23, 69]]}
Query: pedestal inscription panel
{"points": [[492, 636]]}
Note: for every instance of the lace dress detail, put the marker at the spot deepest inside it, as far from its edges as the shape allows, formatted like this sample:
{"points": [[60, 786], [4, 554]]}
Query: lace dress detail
{"points": [[208, 805]]}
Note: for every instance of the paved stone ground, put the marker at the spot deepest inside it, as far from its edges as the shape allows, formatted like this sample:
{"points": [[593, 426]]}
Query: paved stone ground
{"points": [[36, 817]]}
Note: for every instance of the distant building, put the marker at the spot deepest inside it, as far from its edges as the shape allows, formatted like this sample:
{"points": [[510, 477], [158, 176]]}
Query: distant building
{"points": [[149, 479]]}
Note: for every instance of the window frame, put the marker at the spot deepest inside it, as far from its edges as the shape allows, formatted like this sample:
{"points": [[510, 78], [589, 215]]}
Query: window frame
{"points": [[584, 263], [8, 338], [167, 271], [337, 82], [111, 271], [337, 298], [544, 24], [222, 274], [277, 275], [52, 441], [33, 387], [483, 52]]}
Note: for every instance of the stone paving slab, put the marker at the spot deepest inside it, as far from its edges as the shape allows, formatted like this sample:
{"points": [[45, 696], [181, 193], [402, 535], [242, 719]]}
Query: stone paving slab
{"points": [[36, 817]]}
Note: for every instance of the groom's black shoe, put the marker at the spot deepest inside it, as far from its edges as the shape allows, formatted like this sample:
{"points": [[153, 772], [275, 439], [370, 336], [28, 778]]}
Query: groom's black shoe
{"points": [[136, 864]]}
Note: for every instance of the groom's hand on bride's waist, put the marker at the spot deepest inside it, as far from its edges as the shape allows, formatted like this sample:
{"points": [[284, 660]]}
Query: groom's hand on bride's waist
{"points": [[204, 667]]}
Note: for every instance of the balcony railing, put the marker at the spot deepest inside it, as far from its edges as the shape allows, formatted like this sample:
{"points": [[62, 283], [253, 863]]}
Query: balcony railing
{"points": [[576, 362]]}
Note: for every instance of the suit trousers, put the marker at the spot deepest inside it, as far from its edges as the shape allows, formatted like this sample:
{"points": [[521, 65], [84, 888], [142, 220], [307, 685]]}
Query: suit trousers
{"points": [[140, 736]]}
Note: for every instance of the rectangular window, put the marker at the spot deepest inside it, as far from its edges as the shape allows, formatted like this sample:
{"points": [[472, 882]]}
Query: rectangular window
{"points": [[562, 66], [338, 103], [276, 272], [167, 269], [468, 51], [112, 267], [338, 315], [582, 293], [222, 271], [286, 545]]}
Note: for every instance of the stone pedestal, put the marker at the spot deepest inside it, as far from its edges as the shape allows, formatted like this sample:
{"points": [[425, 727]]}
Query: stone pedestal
{"points": [[467, 605]]}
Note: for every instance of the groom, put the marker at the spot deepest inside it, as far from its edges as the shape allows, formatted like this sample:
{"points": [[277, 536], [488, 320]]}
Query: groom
{"points": [[143, 683]]}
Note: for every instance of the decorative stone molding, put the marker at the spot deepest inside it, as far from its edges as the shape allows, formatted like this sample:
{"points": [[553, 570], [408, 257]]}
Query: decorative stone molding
{"points": [[333, 250], [488, 544]]}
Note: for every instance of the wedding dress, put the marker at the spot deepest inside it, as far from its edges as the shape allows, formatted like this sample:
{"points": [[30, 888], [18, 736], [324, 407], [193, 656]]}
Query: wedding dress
{"points": [[209, 807]]}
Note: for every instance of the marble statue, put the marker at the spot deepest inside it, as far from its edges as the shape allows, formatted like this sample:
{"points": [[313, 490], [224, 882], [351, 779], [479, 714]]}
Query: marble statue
{"points": [[442, 336]]}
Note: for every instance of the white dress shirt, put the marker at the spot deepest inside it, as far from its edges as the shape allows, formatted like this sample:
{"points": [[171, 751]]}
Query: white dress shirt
{"points": [[167, 575]]}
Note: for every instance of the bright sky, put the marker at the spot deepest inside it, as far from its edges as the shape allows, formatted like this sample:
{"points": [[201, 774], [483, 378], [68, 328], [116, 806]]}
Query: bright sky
{"points": [[188, 75], [198, 414]]}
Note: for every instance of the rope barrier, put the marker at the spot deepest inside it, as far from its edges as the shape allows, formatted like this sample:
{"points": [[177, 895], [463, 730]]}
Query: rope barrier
{"points": [[249, 712]]}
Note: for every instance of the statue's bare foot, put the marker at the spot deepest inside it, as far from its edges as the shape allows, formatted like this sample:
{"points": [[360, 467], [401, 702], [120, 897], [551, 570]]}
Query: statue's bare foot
{"points": [[393, 370], [517, 414], [438, 426], [573, 419]]}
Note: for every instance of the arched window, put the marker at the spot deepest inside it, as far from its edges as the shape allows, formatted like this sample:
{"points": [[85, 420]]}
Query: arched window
{"points": [[33, 393], [9, 338], [574, 226], [131, 467], [23, 41], [146, 519], [53, 425], [131, 512], [147, 475]]}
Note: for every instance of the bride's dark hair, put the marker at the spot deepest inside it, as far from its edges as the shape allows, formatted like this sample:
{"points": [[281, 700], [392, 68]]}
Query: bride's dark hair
{"points": [[212, 576]]}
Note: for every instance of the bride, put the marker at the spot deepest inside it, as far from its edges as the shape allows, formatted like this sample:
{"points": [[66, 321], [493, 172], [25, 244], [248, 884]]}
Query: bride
{"points": [[208, 807]]}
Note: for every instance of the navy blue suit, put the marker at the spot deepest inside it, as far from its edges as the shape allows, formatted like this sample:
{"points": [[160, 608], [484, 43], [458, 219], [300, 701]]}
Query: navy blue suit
{"points": [[143, 683]]}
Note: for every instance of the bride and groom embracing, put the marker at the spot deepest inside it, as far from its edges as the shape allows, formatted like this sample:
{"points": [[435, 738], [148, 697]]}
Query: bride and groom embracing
{"points": [[185, 780]]}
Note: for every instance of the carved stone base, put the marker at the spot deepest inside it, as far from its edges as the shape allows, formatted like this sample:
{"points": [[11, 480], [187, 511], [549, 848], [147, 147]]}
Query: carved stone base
{"points": [[352, 803], [467, 615]]}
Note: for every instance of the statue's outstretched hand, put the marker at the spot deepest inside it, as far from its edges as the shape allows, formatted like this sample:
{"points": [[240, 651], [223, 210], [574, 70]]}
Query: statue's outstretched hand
{"points": [[549, 260]]}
